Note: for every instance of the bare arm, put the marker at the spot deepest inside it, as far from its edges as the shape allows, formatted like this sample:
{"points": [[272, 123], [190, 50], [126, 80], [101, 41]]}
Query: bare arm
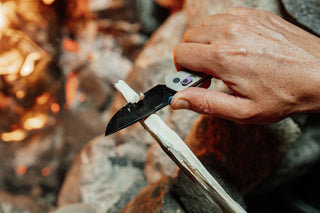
{"points": [[271, 66]]}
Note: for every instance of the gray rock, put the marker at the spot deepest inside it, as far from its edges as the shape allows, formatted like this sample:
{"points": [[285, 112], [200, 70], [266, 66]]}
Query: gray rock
{"points": [[296, 161], [10, 203], [154, 198], [197, 10], [247, 152], [306, 13], [158, 164], [76, 208], [190, 195], [103, 172]]}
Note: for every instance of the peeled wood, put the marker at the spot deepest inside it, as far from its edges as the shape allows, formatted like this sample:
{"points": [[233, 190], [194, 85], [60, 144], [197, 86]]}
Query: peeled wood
{"points": [[179, 152]]}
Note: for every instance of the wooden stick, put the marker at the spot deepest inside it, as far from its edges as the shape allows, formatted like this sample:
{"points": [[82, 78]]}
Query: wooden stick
{"points": [[180, 153]]}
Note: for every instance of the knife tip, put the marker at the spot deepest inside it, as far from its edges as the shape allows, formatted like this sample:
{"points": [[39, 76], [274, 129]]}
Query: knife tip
{"points": [[108, 132]]}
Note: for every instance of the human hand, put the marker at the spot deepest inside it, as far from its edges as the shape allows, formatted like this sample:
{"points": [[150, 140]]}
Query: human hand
{"points": [[271, 66]]}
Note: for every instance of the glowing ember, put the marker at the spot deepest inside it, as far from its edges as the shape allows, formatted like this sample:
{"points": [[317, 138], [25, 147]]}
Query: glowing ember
{"points": [[2, 20], [48, 2], [70, 45], [42, 99], [22, 169], [28, 65], [71, 89], [55, 108], [10, 62], [20, 94], [46, 171], [35, 122], [14, 136]]}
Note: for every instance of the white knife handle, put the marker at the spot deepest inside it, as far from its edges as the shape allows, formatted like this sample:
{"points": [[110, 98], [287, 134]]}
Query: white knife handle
{"points": [[184, 79]]}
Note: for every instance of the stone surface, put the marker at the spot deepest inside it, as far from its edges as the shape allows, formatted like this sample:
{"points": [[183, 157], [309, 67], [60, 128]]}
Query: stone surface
{"points": [[76, 208], [197, 10], [306, 13], [190, 195], [154, 198], [299, 159], [173, 5], [248, 152], [10, 203], [158, 164], [103, 172]]}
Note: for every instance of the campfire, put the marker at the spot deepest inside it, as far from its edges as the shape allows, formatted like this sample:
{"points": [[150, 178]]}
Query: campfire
{"points": [[59, 60], [30, 88]]}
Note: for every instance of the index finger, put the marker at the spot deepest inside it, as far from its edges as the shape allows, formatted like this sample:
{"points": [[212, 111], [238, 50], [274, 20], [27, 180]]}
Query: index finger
{"points": [[210, 59]]}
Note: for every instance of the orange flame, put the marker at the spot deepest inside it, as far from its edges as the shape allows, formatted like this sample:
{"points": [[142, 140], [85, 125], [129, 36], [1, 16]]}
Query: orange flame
{"points": [[35, 122], [14, 136], [2, 19], [44, 98], [29, 62], [55, 108], [48, 2], [46, 171], [22, 169], [71, 89]]}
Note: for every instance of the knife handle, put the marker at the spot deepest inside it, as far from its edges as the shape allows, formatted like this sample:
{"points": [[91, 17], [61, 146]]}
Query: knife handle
{"points": [[184, 79]]}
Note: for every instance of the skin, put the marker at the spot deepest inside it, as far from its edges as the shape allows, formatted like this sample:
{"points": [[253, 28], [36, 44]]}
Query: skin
{"points": [[271, 66]]}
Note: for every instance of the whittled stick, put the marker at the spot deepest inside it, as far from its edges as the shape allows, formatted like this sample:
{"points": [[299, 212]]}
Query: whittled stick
{"points": [[180, 153]]}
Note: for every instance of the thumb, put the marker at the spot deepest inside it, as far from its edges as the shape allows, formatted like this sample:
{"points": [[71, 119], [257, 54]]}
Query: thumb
{"points": [[218, 104]]}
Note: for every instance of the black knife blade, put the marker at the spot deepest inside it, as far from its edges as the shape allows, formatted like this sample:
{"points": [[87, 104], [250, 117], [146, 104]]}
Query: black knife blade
{"points": [[154, 99]]}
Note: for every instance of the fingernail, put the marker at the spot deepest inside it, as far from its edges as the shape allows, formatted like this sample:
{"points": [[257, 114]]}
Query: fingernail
{"points": [[181, 104]]}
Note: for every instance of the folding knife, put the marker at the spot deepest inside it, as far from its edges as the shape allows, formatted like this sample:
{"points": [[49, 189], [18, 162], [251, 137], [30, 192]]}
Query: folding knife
{"points": [[154, 99]]}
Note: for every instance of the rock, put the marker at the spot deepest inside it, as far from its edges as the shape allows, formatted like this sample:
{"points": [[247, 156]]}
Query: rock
{"points": [[158, 164], [154, 198], [173, 5], [298, 160], [197, 10], [248, 152], [76, 208], [10, 203], [190, 195], [148, 15], [103, 172], [306, 13]]}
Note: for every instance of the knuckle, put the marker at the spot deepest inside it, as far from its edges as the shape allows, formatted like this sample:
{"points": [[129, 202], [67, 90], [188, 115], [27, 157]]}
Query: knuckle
{"points": [[177, 52], [187, 35], [264, 13], [234, 28], [218, 51], [206, 105], [207, 20], [246, 115], [232, 10]]}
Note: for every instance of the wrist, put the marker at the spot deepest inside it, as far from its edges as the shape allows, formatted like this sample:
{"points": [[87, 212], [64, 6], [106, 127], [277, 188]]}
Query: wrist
{"points": [[309, 101]]}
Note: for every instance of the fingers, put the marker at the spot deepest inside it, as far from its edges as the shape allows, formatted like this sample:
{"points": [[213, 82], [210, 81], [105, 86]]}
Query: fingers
{"points": [[217, 20], [212, 102], [243, 11], [206, 35], [219, 27], [199, 57]]}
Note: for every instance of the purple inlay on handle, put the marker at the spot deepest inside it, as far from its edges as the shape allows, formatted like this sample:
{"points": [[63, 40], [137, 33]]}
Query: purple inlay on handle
{"points": [[187, 81]]}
